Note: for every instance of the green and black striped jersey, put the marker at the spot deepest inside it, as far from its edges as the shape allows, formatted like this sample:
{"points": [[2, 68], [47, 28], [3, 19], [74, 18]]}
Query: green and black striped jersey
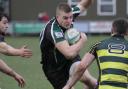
{"points": [[112, 58]]}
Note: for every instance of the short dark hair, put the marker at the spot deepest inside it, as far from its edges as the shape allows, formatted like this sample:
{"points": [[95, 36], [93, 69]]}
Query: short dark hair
{"points": [[63, 7], [3, 15], [120, 26]]}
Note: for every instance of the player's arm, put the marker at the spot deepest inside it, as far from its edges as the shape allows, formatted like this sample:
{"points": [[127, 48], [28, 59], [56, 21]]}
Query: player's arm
{"points": [[11, 51], [70, 51], [82, 66], [86, 61], [7, 70], [84, 4]]}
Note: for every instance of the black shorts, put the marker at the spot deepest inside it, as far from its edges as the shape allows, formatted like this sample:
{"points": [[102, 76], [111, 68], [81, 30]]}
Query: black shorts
{"points": [[59, 78]]}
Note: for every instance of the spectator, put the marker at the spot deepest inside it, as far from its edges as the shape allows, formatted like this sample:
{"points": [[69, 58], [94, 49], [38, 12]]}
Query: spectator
{"points": [[43, 17]]}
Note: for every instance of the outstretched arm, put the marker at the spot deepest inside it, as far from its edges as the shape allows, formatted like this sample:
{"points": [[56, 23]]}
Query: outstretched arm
{"points": [[7, 70], [86, 61], [84, 4], [9, 50]]}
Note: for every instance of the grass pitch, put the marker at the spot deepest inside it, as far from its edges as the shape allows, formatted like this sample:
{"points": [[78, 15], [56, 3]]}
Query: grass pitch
{"points": [[30, 68]]}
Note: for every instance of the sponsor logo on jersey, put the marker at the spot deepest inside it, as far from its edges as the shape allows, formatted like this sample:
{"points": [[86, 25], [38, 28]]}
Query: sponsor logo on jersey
{"points": [[58, 34]]}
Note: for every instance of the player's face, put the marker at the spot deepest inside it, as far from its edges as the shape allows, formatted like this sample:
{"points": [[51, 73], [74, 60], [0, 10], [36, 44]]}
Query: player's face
{"points": [[3, 25], [65, 19]]}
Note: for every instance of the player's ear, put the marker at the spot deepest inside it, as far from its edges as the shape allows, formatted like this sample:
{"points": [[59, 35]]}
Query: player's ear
{"points": [[57, 16]]}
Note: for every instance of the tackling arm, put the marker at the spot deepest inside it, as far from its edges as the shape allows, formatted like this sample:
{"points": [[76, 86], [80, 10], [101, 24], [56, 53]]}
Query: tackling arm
{"points": [[7, 70], [86, 61], [9, 50]]}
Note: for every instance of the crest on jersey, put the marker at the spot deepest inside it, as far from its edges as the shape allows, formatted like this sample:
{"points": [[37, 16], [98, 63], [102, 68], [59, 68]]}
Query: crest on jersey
{"points": [[58, 34]]}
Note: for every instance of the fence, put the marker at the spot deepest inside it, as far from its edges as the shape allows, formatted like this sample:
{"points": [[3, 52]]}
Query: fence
{"points": [[83, 26]]}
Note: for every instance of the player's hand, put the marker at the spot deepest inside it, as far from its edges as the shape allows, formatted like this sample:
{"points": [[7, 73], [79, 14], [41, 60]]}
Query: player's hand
{"points": [[20, 80], [25, 52]]}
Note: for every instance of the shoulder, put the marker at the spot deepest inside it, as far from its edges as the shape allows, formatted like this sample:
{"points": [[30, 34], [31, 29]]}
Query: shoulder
{"points": [[102, 43], [75, 9], [96, 44], [94, 48], [53, 25], [56, 31]]}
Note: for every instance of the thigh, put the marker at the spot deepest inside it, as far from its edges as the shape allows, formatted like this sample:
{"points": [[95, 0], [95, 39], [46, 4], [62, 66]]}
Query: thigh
{"points": [[74, 65], [73, 68]]}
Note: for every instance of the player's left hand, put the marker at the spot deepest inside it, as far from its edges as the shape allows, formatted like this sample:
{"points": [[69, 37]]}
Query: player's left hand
{"points": [[20, 80]]}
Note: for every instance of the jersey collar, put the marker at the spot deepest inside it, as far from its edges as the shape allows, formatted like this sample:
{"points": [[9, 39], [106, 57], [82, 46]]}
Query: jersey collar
{"points": [[64, 29]]}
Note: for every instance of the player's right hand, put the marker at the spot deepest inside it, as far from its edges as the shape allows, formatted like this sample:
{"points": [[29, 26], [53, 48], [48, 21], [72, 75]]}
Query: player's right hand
{"points": [[25, 52]]}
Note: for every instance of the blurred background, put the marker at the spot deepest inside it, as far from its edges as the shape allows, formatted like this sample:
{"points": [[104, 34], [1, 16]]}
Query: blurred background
{"points": [[28, 18]]}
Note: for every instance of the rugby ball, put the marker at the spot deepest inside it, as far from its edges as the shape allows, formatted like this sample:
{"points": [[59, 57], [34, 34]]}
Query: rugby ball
{"points": [[72, 35]]}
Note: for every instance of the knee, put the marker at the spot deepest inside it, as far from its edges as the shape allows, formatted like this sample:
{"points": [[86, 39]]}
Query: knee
{"points": [[81, 67]]}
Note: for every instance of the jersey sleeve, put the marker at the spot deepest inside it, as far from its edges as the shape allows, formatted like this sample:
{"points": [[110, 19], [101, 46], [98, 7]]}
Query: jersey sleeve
{"points": [[93, 49], [57, 34], [76, 11]]}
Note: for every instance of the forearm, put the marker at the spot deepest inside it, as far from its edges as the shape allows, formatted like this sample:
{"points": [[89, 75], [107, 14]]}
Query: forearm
{"points": [[23, 52], [80, 69], [6, 69], [14, 52], [70, 51], [75, 77], [75, 49], [9, 50]]}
